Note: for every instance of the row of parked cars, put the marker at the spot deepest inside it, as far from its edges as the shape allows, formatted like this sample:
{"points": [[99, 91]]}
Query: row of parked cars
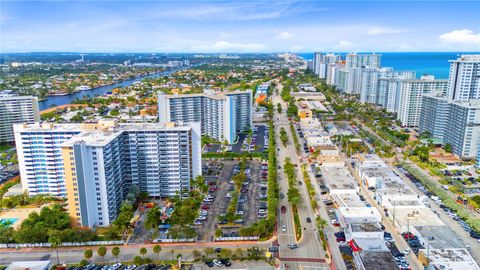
{"points": [[446, 209], [119, 266]]}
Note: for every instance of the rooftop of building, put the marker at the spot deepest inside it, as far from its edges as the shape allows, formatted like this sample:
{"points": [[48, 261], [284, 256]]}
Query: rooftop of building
{"points": [[450, 259], [415, 217], [366, 227], [101, 132], [440, 237], [369, 157], [391, 184], [360, 214], [209, 93], [347, 200], [30, 265], [337, 177], [371, 244], [378, 260], [467, 58]]}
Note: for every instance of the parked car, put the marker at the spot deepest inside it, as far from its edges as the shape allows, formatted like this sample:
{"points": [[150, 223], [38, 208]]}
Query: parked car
{"points": [[226, 262], [217, 263], [292, 246]]}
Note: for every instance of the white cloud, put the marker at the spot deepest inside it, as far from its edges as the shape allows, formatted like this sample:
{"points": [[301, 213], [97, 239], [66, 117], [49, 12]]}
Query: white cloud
{"points": [[284, 35], [226, 46], [345, 45], [385, 31], [463, 36]]}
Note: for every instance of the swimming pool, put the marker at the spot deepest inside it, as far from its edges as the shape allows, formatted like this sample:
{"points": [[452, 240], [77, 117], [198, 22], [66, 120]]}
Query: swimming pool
{"points": [[8, 221]]}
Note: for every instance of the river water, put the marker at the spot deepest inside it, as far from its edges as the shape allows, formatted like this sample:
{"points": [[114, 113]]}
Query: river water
{"points": [[53, 101]]}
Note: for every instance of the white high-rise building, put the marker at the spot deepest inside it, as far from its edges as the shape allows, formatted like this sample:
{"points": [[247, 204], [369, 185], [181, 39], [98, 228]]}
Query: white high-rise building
{"points": [[222, 115], [462, 130], [434, 115], [355, 60], [317, 61], [95, 165], [454, 117], [411, 92], [16, 109], [464, 78]]}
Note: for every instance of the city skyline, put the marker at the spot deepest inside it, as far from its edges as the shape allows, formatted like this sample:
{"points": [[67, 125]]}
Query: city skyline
{"points": [[239, 26]]}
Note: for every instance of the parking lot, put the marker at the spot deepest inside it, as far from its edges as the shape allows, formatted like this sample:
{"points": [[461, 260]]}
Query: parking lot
{"points": [[258, 142], [251, 200]]}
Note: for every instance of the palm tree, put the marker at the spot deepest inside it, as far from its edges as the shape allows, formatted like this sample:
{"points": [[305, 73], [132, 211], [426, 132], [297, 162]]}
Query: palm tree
{"points": [[88, 253], [142, 252], [153, 219], [156, 250], [196, 254], [209, 251], [115, 253], [55, 242], [102, 251]]}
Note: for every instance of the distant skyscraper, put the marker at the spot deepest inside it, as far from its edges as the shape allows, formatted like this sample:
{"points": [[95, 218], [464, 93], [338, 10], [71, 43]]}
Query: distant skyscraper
{"points": [[464, 78], [14, 110], [363, 60], [317, 61]]}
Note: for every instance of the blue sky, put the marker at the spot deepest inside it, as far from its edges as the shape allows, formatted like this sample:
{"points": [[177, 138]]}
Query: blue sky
{"points": [[239, 26]]}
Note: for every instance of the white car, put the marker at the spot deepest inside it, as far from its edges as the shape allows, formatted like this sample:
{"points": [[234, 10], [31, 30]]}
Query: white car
{"points": [[217, 263], [284, 228], [406, 251]]}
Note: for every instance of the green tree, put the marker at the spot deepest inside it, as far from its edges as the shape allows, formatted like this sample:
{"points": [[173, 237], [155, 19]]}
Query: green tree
{"points": [[137, 260], [156, 250], [88, 253], [209, 252], [115, 253], [153, 219], [448, 148], [114, 112], [142, 252], [55, 243], [102, 251], [218, 233], [83, 262], [422, 152], [123, 222]]}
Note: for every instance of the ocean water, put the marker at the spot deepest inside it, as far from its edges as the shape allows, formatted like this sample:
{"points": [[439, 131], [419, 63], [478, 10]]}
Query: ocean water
{"points": [[433, 63]]}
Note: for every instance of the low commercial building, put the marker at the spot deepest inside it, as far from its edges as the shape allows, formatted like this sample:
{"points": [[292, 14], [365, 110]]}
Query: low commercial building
{"points": [[308, 95], [375, 260], [437, 237], [307, 87], [30, 265], [358, 214], [338, 179], [304, 113], [449, 259]]}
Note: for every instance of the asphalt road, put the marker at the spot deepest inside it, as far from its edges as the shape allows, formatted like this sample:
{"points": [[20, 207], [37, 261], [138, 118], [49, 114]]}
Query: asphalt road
{"points": [[309, 245]]}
